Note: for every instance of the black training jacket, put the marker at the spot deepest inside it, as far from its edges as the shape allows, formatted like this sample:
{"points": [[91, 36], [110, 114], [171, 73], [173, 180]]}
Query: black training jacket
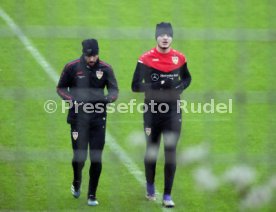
{"points": [[81, 84]]}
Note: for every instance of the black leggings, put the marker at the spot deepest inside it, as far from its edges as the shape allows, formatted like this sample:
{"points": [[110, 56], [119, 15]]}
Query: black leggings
{"points": [[82, 137], [169, 126]]}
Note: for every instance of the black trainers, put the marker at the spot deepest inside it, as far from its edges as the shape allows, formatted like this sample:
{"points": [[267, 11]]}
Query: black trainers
{"points": [[150, 195], [75, 192]]}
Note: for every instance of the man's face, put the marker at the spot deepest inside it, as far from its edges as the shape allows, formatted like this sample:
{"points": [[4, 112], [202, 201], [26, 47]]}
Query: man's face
{"points": [[91, 60], [164, 41]]}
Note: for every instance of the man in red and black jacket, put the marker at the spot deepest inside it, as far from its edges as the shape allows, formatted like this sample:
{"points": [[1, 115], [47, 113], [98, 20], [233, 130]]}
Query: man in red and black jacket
{"points": [[82, 84], [162, 74]]}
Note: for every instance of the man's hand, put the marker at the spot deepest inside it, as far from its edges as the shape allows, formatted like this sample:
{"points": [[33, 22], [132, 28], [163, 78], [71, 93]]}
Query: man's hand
{"points": [[160, 84], [165, 84], [110, 99]]}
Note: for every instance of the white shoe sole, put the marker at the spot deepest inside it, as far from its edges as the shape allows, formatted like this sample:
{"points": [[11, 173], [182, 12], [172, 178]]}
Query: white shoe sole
{"points": [[150, 198], [168, 204], [92, 203]]}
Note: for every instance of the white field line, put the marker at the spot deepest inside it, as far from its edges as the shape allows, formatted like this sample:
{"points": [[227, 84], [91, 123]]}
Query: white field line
{"points": [[29, 46], [112, 143]]}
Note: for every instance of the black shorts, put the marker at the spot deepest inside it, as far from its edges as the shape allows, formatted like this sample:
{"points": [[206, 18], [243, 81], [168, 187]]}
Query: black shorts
{"points": [[84, 136], [156, 124]]}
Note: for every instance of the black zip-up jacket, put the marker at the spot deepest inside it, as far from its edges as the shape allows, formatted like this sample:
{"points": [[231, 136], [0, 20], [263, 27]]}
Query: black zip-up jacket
{"points": [[82, 84]]}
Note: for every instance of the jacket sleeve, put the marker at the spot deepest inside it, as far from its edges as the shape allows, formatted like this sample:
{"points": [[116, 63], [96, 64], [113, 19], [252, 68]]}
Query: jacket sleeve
{"points": [[185, 79], [112, 87], [64, 84], [138, 83]]}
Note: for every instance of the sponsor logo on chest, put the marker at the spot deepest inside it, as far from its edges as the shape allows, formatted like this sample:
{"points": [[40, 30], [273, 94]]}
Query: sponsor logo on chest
{"points": [[171, 76], [80, 74], [154, 77]]}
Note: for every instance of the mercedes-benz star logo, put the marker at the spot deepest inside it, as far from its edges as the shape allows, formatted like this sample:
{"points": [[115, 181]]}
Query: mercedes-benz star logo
{"points": [[154, 77]]}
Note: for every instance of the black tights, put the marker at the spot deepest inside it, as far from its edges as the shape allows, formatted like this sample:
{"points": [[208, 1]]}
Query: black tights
{"points": [[170, 130], [82, 137]]}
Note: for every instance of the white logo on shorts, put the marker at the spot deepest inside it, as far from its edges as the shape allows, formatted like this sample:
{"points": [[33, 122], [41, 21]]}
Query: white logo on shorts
{"points": [[148, 131], [75, 135]]}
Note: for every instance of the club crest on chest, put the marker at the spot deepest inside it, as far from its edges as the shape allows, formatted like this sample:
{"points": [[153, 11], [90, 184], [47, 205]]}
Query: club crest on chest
{"points": [[99, 74], [175, 59]]}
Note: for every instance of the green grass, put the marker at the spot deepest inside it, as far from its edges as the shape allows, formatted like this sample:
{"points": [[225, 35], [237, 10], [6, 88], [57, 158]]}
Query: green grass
{"points": [[35, 147]]}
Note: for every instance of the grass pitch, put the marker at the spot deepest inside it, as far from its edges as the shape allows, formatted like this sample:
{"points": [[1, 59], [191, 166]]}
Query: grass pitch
{"points": [[230, 49]]}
